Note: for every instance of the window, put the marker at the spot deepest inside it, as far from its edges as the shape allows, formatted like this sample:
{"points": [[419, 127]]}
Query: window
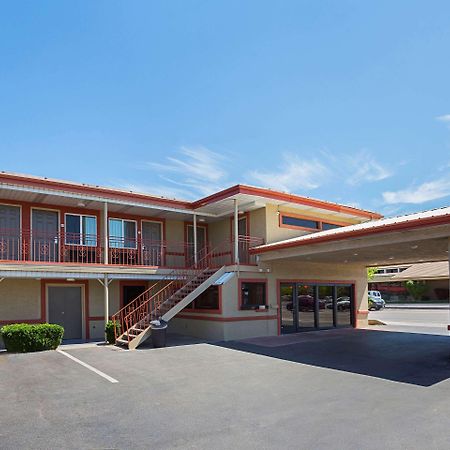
{"points": [[329, 226], [81, 230], [208, 299], [253, 295], [122, 233], [292, 221]]}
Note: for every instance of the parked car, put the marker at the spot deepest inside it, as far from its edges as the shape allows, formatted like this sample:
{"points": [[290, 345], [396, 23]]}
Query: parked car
{"points": [[306, 303], [342, 304], [376, 303]]}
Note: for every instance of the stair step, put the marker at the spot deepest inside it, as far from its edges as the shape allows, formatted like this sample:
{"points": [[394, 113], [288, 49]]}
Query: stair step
{"points": [[122, 342]]}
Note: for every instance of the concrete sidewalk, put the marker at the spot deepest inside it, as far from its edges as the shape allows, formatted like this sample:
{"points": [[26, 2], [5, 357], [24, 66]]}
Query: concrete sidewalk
{"points": [[417, 305]]}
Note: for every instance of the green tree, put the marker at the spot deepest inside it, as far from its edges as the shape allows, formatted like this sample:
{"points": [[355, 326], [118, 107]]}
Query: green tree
{"points": [[371, 271], [416, 289]]}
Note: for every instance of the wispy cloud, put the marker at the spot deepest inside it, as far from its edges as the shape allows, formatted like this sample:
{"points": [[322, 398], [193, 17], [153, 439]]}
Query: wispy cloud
{"points": [[444, 118], [192, 172], [293, 173], [299, 173], [425, 192], [365, 168]]}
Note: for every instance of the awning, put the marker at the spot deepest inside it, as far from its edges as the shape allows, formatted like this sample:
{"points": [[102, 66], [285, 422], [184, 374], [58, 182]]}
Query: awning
{"points": [[425, 271]]}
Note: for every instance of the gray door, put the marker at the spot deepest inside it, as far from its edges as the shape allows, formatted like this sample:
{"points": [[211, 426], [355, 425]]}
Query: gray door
{"points": [[64, 308], [45, 243], [9, 233], [152, 243]]}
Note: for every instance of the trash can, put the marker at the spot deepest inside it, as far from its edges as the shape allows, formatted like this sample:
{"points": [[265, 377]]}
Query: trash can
{"points": [[159, 329]]}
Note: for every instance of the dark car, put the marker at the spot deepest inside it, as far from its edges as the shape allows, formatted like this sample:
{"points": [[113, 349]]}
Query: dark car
{"points": [[342, 304], [306, 303], [375, 304]]}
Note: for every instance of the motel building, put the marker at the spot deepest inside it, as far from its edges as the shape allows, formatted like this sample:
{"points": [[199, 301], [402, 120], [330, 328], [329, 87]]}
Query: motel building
{"points": [[244, 262]]}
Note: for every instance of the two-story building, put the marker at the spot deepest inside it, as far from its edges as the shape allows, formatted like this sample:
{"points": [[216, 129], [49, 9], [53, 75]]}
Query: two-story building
{"points": [[77, 254]]}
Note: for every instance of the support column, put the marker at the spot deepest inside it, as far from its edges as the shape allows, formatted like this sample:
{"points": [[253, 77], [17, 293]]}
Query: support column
{"points": [[195, 239], [448, 247], [105, 233], [236, 232], [106, 298]]}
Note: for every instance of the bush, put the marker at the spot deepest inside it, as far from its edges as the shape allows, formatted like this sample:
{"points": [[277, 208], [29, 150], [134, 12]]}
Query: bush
{"points": [[23, 337], [109, 330]]}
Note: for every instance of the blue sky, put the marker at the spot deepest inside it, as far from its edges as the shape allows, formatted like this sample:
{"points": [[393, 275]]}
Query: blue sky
{"points": [[346, 101]]}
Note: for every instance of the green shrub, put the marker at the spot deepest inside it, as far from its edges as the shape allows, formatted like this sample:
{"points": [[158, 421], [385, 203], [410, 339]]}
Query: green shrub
{"points": [[23, 337], [109, 330]]}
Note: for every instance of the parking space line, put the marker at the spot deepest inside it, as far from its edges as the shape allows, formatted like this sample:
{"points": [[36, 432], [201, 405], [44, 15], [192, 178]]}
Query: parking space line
{"points": [[92, 369]]}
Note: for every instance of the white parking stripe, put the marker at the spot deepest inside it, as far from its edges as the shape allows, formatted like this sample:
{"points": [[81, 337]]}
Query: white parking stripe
{"points": [[93, 369]]}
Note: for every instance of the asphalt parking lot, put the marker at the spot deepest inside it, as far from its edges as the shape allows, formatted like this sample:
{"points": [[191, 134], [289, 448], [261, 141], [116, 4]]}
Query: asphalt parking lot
{"points": [[414, 320], [340, 389]]}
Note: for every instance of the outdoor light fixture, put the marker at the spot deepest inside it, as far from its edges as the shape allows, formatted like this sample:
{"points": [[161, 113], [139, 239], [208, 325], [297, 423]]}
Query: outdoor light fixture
{"points": [[70, 279], [414, 247], [81, 204]]}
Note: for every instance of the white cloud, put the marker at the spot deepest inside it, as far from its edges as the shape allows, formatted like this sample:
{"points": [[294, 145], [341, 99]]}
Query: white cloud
{"points": [[425, 192], [444, 118], [363, 167], [194, 163], [293, 173], [193, 172]]}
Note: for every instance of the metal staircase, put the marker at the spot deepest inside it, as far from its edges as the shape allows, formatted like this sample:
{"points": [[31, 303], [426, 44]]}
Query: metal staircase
{"points": [[167, 298]]}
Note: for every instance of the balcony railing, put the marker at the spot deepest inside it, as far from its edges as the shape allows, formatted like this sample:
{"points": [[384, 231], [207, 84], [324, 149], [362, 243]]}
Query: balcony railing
{"points": [[75, 248]]}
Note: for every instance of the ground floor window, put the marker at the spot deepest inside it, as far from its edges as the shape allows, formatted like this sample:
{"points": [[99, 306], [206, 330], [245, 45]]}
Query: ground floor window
{"points": [[207, 300], [310, 306], [253, 294]]}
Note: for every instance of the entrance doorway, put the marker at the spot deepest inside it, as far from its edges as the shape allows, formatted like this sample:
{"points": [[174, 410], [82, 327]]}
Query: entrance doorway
{"points": [[45, 244], [65, 308], [306, 307], [130, 292]]}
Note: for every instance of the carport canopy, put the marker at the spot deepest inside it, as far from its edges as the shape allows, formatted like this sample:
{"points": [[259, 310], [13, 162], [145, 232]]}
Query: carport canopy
{"points": [[413, 238]]}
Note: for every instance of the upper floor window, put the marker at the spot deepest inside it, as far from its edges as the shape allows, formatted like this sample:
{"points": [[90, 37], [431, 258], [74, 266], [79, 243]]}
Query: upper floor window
{"points": [[330, 226], [299, 222], [122, 233], [305, 223], [81, 230]]}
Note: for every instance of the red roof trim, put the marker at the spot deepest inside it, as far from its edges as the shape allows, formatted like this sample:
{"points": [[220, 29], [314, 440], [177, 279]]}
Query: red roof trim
{"points": [[412, 224], [145, 198], [285, 197], [91, 190]]}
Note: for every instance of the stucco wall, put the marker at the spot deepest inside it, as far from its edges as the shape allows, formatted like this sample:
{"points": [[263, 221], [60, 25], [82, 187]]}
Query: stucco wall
{"points": [[276, 233], [296, 271], [20, 299], [175, 239]]}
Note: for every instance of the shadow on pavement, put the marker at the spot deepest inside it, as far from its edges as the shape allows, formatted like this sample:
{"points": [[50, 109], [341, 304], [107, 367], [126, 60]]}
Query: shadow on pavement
{"points": [[412, 358]]}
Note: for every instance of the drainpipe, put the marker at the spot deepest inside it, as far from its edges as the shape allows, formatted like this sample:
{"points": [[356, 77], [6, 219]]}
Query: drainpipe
{"points": [[236, 232], [195, 240]]}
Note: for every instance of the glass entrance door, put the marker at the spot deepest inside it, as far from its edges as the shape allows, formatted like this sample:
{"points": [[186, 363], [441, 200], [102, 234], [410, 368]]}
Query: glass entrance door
{"points": [[287, 308], [306, 307]]}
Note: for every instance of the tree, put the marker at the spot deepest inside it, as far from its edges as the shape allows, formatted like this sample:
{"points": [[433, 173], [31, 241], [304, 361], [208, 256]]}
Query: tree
{"points": [[416, 289], [371, 271]]}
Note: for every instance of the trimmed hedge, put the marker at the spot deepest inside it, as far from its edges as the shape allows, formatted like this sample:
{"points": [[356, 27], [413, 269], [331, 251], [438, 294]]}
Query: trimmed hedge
{"points": [[23, 337], [109, 330]]}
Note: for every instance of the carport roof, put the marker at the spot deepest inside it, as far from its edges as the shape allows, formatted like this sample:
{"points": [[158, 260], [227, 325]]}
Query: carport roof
{"points": [[424, 271], [424, 219]]}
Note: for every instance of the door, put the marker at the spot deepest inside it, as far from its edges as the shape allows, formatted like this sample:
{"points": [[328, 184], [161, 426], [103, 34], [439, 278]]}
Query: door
{"points": [[65, 308], [152, 243], [129, 293], [288, 310], [201, 244], [45, 243], [10, 233]]}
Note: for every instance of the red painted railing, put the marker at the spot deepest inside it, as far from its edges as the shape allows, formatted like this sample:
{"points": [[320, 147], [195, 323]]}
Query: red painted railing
{"points": [[76, 248], [147, 306]]}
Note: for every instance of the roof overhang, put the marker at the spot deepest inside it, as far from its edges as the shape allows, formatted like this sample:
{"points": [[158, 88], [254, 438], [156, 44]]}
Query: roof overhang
{"points": [[409, 239]]}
